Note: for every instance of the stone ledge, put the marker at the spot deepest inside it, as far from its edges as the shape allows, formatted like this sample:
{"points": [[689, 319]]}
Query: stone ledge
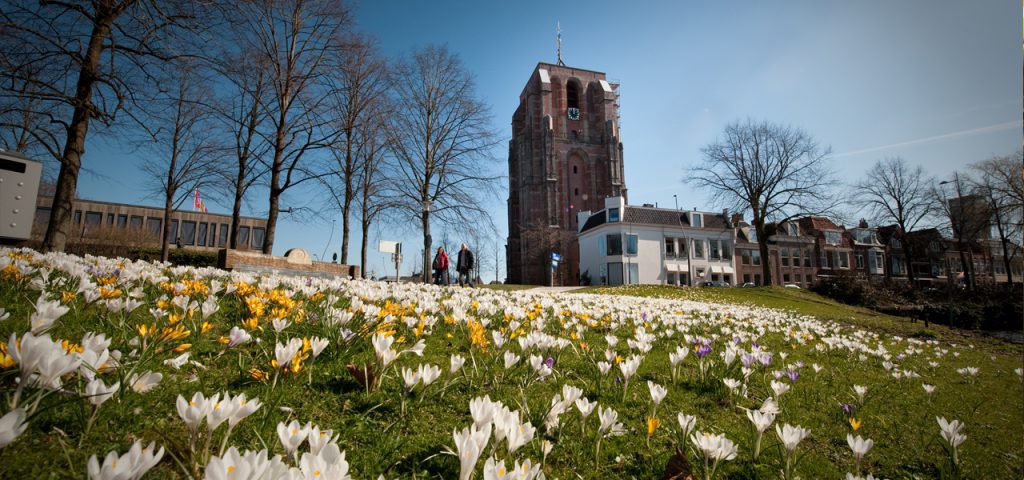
{"points": [[258, 262]]}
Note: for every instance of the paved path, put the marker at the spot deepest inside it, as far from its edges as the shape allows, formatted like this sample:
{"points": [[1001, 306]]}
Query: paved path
{"points": [[552, 289]]}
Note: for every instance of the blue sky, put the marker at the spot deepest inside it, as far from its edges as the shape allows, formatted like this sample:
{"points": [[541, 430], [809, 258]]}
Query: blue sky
{"points": [[937, 82]]}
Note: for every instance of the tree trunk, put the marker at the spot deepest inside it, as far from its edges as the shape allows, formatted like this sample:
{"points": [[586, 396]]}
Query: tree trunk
{"points": [[236, 208], [74, 147], [275, 195], [365, 227], [963, 268], [346, 206], [908, 251], [425, 217], [762, 247], [165, 243]]}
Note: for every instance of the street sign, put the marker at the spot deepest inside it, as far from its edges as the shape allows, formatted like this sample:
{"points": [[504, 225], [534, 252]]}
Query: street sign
{"points": [[386, 246], [556, 257]]}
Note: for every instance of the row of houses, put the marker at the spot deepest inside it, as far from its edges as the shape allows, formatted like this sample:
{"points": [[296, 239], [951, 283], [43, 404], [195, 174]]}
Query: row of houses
{"points": [[625, 244]]}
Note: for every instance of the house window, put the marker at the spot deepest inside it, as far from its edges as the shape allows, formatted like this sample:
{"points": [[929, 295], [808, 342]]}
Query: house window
{"points": [[670, 247], [671, 279], [755, 257], [696, 220], [613, 214], [715, 249], [631, 244], [614, 243], [807, 258], [842, 260], [746, 278], [153, 225], [575, 191], [243, 236], [785, 277], [757, 279], [136, 222], [188, 233], [93, 218], [222, 240], [895, 243], [879, 262], [698, 249], [823, 261], [110, 219], [574, 169], [793, 229], [752, 235], [201, 234], [602, 246], [832, 238], [257, 237], [784, 256], [122, 221], [78, 217], [860, 261], [745, 258]]}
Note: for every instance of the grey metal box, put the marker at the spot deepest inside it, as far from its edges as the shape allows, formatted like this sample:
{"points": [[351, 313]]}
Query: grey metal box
{"points": [[19, 187]]}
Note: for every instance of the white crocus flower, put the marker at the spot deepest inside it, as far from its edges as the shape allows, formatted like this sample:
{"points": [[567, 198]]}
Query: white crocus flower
{"points": [[145, 381], [791, 435], [47, 312], [97, 392], [292, 435], [457, 361], [12, 425], [130, 466], [779, 388], [238, 336]]}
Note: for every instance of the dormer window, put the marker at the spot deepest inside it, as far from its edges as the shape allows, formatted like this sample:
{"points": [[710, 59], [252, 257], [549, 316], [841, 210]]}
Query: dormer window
{"points": [[696, 220], [613, 215], [832, 238], [794, 230], [752, 235]]}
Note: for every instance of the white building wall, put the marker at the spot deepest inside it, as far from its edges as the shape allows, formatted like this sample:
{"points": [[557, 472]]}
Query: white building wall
{"points": [[652, 265]]}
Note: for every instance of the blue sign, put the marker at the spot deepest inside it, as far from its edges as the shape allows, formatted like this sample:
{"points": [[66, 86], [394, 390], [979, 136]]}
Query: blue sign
{"points": [[556, 257]]}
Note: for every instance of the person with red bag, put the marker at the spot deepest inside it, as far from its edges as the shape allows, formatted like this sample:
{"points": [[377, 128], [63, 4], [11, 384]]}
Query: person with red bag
{"points": [[440, 267]]}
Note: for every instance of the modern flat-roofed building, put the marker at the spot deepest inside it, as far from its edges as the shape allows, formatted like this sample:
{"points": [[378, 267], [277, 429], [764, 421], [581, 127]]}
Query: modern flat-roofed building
{"points": [[99, 223]]}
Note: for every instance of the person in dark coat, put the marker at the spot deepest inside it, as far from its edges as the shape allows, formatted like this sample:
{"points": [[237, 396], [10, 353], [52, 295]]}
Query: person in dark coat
{"points": [[464, 265], [440, 267]]}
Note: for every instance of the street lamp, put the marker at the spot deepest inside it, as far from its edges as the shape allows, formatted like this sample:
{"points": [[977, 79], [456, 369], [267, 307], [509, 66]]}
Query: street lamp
{"points": [[676, 198]]}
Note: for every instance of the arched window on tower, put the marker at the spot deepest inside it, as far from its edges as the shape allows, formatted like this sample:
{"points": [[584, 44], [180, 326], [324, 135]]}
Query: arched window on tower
{"points": [[572, 94], [574, 169]]}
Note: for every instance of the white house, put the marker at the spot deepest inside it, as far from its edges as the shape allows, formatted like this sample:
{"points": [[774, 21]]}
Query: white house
{"points": [[624, 244]]}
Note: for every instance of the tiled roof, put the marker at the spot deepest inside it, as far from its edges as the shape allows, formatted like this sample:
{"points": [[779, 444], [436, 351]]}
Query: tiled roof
{"points": [[817, 224]]}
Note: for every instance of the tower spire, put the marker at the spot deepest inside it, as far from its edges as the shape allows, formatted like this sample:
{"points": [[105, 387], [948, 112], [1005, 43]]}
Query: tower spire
{"points": [[558, 37]]}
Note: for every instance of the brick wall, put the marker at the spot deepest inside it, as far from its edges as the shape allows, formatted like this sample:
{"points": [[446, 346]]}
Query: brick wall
{"points": [[252, 261]]}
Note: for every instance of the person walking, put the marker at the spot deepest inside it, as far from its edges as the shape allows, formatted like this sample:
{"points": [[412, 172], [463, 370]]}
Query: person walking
{"points": [[464, 266], [440, 267]]}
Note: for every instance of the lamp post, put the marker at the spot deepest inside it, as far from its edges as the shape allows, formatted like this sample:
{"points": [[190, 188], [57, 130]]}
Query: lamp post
{"points": [[676, 198]]}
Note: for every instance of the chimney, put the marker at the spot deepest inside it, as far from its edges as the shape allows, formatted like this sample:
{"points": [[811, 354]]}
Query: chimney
{"points": [[863, 223], [737, 218]]}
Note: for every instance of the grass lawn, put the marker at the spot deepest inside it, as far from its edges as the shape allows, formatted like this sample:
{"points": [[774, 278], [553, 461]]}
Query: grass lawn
{"points": [[718, 353]]}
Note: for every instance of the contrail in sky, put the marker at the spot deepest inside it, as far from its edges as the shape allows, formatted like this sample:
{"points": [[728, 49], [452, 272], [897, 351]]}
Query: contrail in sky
{"points": [[963, 133]]}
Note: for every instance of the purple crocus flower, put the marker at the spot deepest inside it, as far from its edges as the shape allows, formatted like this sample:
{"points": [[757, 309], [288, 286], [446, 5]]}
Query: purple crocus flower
{"points": [[778, 374], [550, 362], [847, 408], [347, 334], [747, 360], [703, 350], [793, 375], [766, 359]]}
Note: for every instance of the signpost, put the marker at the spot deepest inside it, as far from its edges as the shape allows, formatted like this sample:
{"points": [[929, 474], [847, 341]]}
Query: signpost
{"points": [[555, 259], [395, 249]]}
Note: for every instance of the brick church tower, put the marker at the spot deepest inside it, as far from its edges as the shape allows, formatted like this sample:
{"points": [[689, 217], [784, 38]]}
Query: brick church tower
{"points": [[564, 157]]}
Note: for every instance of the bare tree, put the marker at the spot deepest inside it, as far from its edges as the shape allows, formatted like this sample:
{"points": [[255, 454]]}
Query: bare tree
{"points": [[26, 120], [968, 216], [1002, 190], [179, 136], [105, 45], [243, 118], [777, 172], [297, 39], [370, 179], [441, 141], [894, 192], [358, 84]]}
